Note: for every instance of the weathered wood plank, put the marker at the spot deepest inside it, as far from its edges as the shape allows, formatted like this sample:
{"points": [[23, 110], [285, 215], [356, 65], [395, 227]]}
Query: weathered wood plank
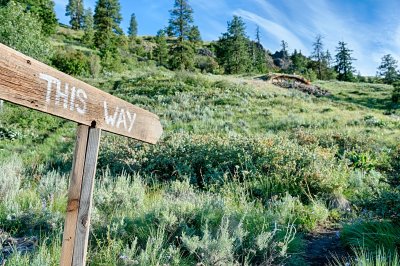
{"points": [[28, 82], [82, 230], [74, 195]]}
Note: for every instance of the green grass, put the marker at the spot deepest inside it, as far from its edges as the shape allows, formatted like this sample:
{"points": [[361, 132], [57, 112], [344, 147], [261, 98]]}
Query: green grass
{"points": [[242, 171]]}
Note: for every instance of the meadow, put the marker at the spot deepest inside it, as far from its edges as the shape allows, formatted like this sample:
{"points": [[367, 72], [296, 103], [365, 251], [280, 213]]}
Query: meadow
{"points": [[243, 173]]}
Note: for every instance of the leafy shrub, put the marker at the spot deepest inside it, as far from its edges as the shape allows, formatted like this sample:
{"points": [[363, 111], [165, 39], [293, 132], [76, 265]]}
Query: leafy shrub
{"points": [[123, 191], [10, 134], [10, 180], [361, 160], [111, 62], [22, 31], [72, 62], [279, 164], [206, 64]]}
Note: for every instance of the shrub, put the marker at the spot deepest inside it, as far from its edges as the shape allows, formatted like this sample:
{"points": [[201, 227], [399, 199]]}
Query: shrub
{"points": [[72, 62], [206, 64], [274, 164], [22, 31], [10, 180]]}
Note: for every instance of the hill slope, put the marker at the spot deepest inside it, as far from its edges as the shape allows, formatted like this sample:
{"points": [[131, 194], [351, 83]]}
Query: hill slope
{"points": [[243, 168]]}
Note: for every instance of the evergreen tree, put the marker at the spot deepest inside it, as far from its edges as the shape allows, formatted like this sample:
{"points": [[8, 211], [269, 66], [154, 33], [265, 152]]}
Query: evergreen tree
{"points": [[181, 20], [43, 9], [388, 69], [328, 58], [318, 56], [299, 63], [284, 48], [344, 66], [180, 26], [88, 25], [107, 18], [282, 59], [259, 54], [133, 27], [75, 10], [233, 48], [161, 51], [194, 35]]}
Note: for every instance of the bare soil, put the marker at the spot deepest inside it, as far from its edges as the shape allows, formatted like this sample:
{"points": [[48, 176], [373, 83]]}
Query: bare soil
{"points": [[323, 246]]}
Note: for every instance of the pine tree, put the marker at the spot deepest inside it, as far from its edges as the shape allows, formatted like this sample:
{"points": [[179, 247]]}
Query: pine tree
{"points": [[75, 10], [88, 25], [259, 54], [107, 18], [318, 56], [133, 27], [284, 48], [194, 35], [328, 58], [282, 58], [233, 48], [329, 72], [344, 66], [180, 26], [43, 9], [161, 51], [299, 63], [181, 20], [388, 69]]}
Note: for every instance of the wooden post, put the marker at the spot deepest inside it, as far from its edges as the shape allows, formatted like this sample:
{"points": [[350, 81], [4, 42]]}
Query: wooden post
{"points": [[77, 222], [1, 105]]}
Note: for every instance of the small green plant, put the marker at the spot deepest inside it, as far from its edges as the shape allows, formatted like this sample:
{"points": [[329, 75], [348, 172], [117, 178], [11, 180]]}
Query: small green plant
{"points": [[371, 235], [362, 257]]}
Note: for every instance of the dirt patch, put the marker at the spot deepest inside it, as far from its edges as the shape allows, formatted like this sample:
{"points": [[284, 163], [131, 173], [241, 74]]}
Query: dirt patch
{"points": [[9, 245], [295, 82], [323, 246]]}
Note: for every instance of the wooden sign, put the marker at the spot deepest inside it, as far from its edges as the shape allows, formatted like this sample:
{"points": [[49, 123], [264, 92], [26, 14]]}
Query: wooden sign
{"points": [[29, 83]]}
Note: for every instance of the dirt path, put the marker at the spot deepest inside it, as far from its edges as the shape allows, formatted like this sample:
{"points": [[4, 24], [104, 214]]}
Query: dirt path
{"points": [[322, 246]]}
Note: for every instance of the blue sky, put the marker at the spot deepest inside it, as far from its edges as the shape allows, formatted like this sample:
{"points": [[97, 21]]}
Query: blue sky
{"points": [[370, 27]]}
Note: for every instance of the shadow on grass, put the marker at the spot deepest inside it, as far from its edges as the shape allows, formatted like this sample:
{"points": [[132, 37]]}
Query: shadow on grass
{"points": [[373, 103]]}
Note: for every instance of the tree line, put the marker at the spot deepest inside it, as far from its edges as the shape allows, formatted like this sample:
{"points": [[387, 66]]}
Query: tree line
{"points": [[179, 46]]}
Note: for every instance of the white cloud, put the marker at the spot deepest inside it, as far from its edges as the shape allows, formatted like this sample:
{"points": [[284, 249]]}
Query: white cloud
{"points": [[273, 28]]}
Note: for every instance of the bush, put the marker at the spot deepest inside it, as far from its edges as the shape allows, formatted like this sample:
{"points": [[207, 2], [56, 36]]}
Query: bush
{"points": [[22, 31], [206, 64], [72, 62], [10, 180], [270, 165]]}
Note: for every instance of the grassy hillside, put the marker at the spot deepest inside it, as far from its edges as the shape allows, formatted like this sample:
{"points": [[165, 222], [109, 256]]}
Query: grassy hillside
{"points": [[244, 171]]}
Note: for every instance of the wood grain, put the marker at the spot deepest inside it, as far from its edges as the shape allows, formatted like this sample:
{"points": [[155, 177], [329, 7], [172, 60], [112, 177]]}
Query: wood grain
{"points": [[82, 230], [74, 194], [28, 82]]}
